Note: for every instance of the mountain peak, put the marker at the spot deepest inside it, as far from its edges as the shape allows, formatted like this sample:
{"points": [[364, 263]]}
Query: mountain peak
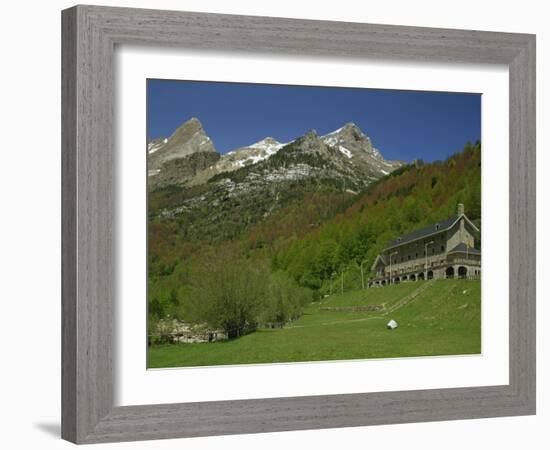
{"points": [[308, 140], [268, 141], [266, 147], [351, 129], [311, 134], [347, 127], [188, 132], [187, 139], [347, 134], [188, 128]]}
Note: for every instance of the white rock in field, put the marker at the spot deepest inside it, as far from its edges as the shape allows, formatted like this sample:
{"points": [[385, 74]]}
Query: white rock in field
{"points": [[392, 324]]}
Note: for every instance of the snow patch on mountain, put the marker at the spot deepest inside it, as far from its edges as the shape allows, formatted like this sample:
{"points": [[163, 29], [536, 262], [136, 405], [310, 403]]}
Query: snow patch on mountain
{"points": [[253, 153], [345, 151], [156, 145], [269, 145], [332, 138]]}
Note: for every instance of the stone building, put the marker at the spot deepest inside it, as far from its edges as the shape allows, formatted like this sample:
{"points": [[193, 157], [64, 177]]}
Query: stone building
{"points": [[442, 250]]}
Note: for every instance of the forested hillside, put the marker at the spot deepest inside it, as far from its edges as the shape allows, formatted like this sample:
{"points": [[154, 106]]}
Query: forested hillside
{"points": [[271, 254], [409, 198]]}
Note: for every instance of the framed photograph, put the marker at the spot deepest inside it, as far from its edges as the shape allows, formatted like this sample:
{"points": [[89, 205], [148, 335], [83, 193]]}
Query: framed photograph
{"points": [[267, 251], [278, 224]]}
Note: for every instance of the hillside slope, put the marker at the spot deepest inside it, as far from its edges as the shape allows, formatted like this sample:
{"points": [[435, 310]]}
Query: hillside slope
{"points": [[409, 198]]}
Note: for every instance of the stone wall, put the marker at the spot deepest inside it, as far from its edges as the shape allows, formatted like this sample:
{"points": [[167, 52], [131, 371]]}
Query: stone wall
{"points": [[459, 234], [174, 331]]}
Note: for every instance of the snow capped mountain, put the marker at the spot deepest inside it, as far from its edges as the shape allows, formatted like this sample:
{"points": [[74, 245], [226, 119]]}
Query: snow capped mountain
{"points": [[241, 157], [188, 157], [255, 181], [269, 145], [355, 145], [254, 153], [348, 132], [349, 139]]}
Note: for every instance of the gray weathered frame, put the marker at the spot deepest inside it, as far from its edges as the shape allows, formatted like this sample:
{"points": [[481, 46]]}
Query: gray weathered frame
{"points": [[89, 36]]}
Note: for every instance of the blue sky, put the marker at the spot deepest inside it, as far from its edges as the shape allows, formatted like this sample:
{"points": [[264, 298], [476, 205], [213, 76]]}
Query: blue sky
{"points": [[404, 125]]}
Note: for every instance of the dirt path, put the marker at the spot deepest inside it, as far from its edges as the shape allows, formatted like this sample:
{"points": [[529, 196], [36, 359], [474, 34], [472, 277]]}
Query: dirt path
{"points": [[336, 322], [396, 306], [409, 298]]}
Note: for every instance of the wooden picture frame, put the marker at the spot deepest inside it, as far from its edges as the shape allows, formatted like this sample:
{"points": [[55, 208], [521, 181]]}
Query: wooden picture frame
{"points": [[90, 34]]}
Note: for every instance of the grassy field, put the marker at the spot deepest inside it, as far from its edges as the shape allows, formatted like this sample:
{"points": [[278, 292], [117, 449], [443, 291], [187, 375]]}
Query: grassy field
{"points": [[440, 317]]}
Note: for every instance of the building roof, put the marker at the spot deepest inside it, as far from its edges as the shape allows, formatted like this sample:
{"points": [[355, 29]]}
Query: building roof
{"points": [[381, 258], [461, 248], [436, 228], [423, 232]]}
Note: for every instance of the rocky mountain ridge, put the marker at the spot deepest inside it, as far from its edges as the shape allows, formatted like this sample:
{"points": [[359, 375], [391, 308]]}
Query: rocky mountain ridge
{"points": [[189, 158]]}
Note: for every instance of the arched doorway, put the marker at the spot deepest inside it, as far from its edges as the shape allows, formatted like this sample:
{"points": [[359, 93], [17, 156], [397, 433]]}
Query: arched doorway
{"points": [[430, 274], [450, 272], [421, 276], [462, 272], [404, 278], [396, 280], [412, 277], [383, 282]]}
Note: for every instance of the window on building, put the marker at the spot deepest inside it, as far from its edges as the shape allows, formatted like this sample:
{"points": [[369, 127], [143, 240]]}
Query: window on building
{"points": [[442, 248]]}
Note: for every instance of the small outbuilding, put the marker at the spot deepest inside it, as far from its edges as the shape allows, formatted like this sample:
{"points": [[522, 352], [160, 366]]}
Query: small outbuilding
{"points": [[392, 324]]}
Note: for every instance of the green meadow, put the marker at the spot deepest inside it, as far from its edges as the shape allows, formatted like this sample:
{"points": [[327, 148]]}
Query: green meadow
{"points": [[440, 317]]}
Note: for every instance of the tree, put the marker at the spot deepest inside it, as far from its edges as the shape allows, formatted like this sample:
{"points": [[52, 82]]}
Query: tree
{"points": [[285, 299], [327, 257], [229, 294]]}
